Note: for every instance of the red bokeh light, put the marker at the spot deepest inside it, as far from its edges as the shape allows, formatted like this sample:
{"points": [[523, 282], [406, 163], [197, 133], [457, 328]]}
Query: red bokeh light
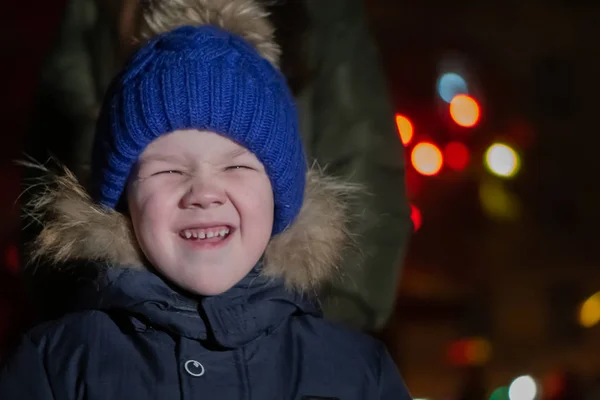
{"points": [[416, 217], [11, 258], [456, 155]]}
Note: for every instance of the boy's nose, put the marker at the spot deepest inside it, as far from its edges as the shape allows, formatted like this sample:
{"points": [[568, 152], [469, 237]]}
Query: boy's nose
{"points": [[204, 195]]}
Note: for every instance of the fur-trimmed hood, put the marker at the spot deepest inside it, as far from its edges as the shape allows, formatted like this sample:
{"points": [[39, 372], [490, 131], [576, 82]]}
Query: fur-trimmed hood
{"points": [[77, 231]]}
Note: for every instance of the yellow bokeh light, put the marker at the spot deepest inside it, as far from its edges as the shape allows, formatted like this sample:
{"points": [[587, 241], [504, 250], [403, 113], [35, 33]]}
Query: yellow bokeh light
{"points": [[589, 314], [405, 129], [427, 158], [497, 202], [502, 160]]}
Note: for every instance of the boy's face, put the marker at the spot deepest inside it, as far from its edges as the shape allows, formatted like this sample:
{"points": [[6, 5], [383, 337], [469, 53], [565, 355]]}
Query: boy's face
{"points": [[202, 209]]}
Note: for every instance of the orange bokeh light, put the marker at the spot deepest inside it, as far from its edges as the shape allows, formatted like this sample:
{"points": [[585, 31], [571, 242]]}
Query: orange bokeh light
{"points": [[427, 159], [472, 351], [456, 155], [405, 129], [464, 110]]}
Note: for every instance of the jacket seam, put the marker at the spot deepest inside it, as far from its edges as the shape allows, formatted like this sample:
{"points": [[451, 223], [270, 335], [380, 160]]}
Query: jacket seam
{"points": [[41, 359]]}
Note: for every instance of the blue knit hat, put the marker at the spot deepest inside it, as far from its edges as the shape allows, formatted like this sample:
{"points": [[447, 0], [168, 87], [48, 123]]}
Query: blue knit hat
{"points": [[201, 78]]}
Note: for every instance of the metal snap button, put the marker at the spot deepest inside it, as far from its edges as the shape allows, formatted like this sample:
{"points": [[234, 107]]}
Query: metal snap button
{"points": [[194, 368]]}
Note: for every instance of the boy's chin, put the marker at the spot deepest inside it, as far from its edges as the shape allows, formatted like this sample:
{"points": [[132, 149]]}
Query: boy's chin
{"points": [[213, 290]]}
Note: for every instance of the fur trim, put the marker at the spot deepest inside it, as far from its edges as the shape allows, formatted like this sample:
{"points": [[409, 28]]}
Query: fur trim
{"points": [[308, 253], [74, 228], [245, 18]]}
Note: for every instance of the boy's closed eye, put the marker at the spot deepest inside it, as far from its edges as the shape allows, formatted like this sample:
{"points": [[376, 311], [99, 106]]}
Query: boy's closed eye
{"points": [[238, 167], [167, 172]]}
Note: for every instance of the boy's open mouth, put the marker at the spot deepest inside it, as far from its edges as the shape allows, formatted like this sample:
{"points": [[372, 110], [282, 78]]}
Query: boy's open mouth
{"points": [[212, 234]]}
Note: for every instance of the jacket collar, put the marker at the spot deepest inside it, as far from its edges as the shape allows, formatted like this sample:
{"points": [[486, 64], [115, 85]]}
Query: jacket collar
{"points": [[253, 307]]}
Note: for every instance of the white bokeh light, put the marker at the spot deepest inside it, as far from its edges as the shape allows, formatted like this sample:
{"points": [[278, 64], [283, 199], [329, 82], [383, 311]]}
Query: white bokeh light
{"points": [[523, 388], [502, 160]]}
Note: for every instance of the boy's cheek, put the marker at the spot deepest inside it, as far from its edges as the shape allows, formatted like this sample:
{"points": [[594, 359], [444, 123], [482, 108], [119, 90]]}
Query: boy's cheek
{"points": [[155, 202], [140, 199], [143, 189]]}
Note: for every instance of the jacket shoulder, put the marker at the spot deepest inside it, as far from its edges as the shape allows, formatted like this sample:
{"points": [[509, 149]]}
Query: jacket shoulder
{"points": [[74, 328], [353, 356], [342, 333], [337, 339]]}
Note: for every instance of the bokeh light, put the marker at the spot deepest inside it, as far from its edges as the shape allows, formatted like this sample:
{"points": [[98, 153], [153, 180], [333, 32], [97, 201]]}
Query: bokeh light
{"points": [[497, 202], [427, 159], [456, 155], [589, 314], [416, 217], [451, 84], [470, 351], [464, 110], [500, 394], [405, 129], [554, 384], [502, 160], [11, 258], [523, 388]]}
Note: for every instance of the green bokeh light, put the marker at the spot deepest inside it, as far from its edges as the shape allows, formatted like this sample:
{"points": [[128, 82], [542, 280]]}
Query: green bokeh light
{"points": [[500, 394]]}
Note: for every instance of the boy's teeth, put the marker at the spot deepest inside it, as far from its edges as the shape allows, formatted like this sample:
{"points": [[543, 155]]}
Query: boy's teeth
{"points": [[202, 234]]}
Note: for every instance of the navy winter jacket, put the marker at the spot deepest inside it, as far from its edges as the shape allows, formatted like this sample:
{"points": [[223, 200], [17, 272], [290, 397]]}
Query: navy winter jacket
{"points": [[141, 339]]}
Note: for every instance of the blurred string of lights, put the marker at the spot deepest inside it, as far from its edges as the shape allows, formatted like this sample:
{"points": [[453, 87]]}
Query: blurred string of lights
{"points": [[501, 160], [528, 387], [478, 351]]}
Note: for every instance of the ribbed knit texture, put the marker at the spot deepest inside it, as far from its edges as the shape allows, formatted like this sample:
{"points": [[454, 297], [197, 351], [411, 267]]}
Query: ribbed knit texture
{"points": [[208, 79]]}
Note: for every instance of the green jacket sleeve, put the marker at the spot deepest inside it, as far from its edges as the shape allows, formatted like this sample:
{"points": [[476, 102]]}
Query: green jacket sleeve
{"points": [[348, 126], [71, 86]]}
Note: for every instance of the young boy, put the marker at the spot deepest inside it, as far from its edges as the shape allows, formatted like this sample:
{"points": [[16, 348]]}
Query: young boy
{"points": [[208, 234]]}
